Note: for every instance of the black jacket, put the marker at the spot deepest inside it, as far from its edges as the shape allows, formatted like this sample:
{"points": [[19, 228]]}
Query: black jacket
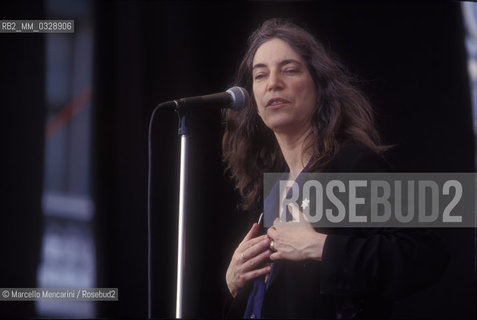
{"points": [[361, 271]]}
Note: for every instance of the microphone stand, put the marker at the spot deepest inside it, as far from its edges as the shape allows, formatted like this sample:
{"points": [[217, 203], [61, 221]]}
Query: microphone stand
{"points": [[181, 237], [184, 133], [236, 98]]}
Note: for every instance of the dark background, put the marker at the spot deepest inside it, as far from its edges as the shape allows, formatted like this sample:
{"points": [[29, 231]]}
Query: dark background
{"points": [[411, 60]]}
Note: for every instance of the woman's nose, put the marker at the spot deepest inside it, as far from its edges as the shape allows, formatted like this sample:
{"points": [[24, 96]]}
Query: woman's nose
{"points": [[275, 81]]}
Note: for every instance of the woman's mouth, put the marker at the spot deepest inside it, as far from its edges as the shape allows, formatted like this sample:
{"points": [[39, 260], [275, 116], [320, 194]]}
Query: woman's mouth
{"points": [[276, 103]]}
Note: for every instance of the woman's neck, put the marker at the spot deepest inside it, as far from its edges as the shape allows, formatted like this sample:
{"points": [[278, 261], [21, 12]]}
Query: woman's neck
{"points": [[292, 147]]}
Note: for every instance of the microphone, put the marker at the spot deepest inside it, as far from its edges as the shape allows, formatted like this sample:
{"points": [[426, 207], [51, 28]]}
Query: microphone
{"points": [[234, 98]]}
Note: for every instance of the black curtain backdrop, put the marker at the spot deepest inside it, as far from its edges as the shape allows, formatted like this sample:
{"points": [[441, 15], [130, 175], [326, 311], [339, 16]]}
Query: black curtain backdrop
{"points": [[411, 60]]}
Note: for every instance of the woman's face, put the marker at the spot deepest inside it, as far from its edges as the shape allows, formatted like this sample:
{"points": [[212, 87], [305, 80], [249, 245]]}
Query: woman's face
{"points": [[283, 88]]}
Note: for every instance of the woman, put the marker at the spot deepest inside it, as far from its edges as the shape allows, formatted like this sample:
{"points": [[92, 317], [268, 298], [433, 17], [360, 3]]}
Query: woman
{"points": [[305, 116]]}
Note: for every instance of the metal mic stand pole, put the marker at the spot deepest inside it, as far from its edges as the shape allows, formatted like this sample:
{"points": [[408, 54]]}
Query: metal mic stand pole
{"points": [[181, 238]]}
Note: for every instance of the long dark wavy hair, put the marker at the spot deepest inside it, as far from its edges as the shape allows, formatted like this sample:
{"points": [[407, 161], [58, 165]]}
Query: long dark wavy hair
{"points": [[342, 114]]}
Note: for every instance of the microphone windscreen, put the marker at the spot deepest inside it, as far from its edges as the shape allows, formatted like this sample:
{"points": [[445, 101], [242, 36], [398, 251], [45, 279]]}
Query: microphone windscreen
{"points": [[240, 98]]}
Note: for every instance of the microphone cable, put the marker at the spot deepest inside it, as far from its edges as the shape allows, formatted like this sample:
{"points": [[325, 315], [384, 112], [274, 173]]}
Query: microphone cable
{"points": [[163, 105]]}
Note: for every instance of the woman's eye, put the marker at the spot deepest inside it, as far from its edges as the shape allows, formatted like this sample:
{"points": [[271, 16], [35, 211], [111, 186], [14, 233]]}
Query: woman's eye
{"points": [[259, 76], [291, 71]]}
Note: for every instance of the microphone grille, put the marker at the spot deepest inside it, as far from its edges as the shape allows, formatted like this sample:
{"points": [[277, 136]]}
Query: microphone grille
{"points": [[239, 96]]}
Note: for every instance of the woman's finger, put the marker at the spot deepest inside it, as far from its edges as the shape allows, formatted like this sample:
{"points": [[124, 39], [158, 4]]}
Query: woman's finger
{"points": [[255, 273], [243, 247], [258, 247], [276, 256], [272, 233], [277, 223], [251, 233], [256, 261]]}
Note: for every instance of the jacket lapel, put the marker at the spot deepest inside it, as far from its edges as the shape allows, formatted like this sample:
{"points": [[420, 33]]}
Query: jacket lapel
{"points": [[271, 209]]}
